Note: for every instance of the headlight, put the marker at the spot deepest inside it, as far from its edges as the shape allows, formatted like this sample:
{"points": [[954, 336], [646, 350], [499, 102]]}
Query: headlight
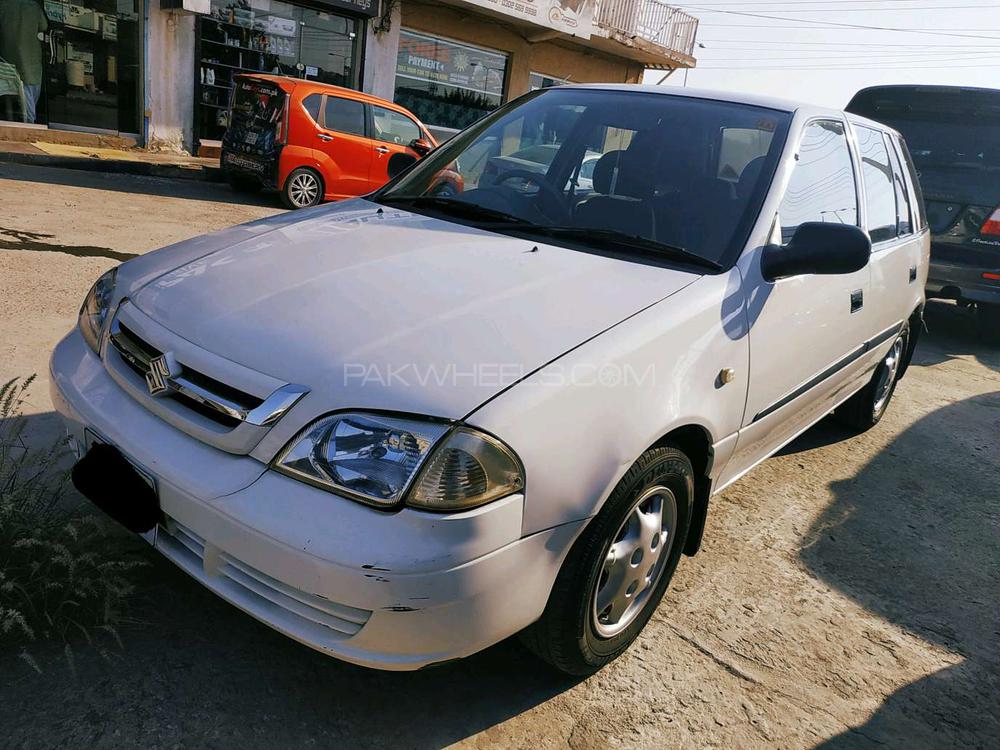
{"points": [[384, 461], [94, 311]]}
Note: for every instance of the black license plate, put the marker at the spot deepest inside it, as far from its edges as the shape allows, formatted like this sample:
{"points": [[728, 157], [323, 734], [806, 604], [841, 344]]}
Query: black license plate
{"points": [[106, 478], [245, 163]]}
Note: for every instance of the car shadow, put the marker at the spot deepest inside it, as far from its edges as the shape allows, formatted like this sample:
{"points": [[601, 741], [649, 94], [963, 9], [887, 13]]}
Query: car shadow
{"points": [[951, 333], [194, 671], [926, 558], [216, 192]]}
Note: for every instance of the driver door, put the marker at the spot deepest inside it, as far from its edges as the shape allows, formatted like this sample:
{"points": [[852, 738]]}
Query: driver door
{"points": [[392, 132], [807, 333]]}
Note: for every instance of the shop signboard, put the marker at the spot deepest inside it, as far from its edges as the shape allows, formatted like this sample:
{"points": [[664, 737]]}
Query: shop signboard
{"points": [[452, 64], [574, 17], [364, 7]]}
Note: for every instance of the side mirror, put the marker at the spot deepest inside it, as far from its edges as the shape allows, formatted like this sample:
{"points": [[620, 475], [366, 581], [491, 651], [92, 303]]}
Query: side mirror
{"points": [[421, 146], [399, 163], [817, 247]]}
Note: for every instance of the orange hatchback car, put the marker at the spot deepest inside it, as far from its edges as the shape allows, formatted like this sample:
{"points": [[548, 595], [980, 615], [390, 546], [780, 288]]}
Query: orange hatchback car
{"points": [[312, 141]]}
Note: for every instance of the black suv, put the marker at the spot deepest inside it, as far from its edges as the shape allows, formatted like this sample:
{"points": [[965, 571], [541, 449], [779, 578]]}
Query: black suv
{"points": [[954, 135]]}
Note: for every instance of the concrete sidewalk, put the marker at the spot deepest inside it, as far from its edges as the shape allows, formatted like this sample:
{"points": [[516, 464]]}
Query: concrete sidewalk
{"points": [[101, 159]]}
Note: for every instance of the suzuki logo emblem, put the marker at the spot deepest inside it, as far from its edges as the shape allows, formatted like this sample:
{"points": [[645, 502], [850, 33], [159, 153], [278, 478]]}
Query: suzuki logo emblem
{"points": [[158, 377]]}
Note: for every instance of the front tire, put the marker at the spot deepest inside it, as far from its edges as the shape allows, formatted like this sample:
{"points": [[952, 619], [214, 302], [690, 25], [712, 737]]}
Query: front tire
{"points": [[865, 409], [303, 188], [618, 570]]}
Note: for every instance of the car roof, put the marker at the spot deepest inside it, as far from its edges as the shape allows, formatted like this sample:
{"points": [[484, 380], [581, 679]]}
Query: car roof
{"points": [[318, 87], [737, 97], [923, 88]]}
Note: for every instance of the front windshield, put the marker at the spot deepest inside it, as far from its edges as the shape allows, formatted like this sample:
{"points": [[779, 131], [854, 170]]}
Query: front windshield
{"points": [[689, 174]]}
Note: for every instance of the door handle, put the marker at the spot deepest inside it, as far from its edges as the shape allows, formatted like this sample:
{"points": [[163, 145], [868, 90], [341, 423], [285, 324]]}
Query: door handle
{"points": [[382, 150], [324, 137], [857, 300], [913, 274]]}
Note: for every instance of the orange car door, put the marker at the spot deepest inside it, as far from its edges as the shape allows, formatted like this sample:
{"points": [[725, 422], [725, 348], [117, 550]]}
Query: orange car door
{"points": [[392, 132], [347, 151]]}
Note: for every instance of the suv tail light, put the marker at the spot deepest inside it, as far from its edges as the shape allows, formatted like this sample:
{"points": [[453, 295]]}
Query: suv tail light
{"points": [[992, 225]]}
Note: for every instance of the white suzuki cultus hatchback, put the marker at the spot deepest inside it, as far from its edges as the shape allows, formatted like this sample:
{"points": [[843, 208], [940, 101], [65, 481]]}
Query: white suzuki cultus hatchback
{"points": [[497, 395]]}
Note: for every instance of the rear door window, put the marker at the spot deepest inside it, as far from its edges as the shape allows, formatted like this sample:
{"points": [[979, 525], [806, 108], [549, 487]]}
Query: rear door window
{"points": [[916, 194], [904, 222], [312, 105], [344, 116], [822, 186], [880, 192], [740, 146]]}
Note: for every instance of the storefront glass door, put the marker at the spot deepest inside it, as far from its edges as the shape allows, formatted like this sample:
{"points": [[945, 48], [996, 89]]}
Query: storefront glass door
{"points": [[92, 61]]}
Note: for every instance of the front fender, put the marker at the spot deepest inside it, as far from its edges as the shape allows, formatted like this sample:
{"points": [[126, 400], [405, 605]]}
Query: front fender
{"points": [[580, 422]]}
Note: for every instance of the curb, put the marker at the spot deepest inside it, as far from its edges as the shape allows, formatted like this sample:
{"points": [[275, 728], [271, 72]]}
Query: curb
{"points": [[115, 166]]}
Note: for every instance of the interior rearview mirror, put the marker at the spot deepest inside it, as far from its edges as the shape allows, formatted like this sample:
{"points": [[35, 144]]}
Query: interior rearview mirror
{"points": [[820, 248], [399, 163], [421, 146]]}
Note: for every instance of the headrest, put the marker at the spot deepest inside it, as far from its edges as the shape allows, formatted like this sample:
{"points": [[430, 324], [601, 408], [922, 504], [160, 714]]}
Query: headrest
{"points": [[604, 171]]}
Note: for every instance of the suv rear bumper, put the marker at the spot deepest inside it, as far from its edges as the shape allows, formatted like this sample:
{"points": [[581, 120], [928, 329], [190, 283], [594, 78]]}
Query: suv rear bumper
{"points": [[964, 283], [248, 167]]}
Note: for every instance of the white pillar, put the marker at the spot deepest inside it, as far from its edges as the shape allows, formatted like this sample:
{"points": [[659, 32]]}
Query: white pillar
{"points": [[170, 78]]}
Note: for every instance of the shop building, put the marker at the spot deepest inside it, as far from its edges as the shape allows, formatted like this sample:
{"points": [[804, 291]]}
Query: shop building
{"points": [[451, 62], [160, 71]]}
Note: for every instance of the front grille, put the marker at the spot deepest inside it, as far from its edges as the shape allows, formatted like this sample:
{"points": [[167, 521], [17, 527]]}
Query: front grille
{"points": [[137, 354], [265, 597]]}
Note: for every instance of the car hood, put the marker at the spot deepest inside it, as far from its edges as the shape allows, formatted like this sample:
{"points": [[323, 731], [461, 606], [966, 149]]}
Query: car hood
{"points": [[392, 310]]}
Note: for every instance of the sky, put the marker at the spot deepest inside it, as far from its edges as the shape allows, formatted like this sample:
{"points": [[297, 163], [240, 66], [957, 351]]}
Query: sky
{"points": [[823, 51]]}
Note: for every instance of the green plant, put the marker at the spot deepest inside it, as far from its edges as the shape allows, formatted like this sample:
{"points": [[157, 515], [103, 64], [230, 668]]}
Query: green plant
{"points": [[62, 576]]}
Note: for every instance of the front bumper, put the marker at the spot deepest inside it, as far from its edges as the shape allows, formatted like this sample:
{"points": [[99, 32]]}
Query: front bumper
{"points": [[387, 590], [950, 281]]}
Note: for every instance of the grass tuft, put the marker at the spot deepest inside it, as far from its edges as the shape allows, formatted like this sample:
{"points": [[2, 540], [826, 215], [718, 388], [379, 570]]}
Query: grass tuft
{"points": [[62, 576]]}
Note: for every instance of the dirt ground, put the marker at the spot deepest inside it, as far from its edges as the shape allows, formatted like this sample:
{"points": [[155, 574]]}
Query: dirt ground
{"points": [[847, 594]]}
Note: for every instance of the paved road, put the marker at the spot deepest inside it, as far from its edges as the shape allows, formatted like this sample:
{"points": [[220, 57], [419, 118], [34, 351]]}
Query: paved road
{"points": [[846, 595]]}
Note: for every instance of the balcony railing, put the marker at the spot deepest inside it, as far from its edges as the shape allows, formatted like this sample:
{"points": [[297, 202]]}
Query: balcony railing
{"points": [[651, 20]]}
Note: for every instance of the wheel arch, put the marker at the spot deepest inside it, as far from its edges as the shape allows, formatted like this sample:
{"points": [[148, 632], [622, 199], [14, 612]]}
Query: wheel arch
{"points": [[696, 443], [916, 321]]}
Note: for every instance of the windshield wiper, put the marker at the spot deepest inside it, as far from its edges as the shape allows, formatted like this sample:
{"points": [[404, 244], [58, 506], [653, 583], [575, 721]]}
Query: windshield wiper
{"points": [[610, 239], [454, 207]]}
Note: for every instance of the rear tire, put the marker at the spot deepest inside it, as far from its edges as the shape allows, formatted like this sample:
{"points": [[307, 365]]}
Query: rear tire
{"points": [[618, 570], [988, 323], [303, 188], [865, 409]]}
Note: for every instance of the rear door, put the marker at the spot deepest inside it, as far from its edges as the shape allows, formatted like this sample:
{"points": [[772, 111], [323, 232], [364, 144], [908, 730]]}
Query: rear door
{"points": [[392, 132], [892, 225], [250, 144], [343, 142]]}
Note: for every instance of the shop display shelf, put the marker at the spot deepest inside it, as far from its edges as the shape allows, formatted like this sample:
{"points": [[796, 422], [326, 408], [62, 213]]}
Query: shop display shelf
{"points": [[237, 47]]}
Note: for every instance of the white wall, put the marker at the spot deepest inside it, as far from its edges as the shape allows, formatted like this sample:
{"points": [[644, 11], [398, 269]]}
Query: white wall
{"points": [[170, 79]]}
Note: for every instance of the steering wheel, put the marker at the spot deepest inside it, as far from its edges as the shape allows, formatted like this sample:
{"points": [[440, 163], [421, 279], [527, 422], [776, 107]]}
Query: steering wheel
{"points": [[543, 185]]}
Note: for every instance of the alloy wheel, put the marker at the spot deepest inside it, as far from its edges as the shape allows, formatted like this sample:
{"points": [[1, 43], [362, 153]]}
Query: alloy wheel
{"points": [[634, 562], [887, 375], [303, 191]]}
